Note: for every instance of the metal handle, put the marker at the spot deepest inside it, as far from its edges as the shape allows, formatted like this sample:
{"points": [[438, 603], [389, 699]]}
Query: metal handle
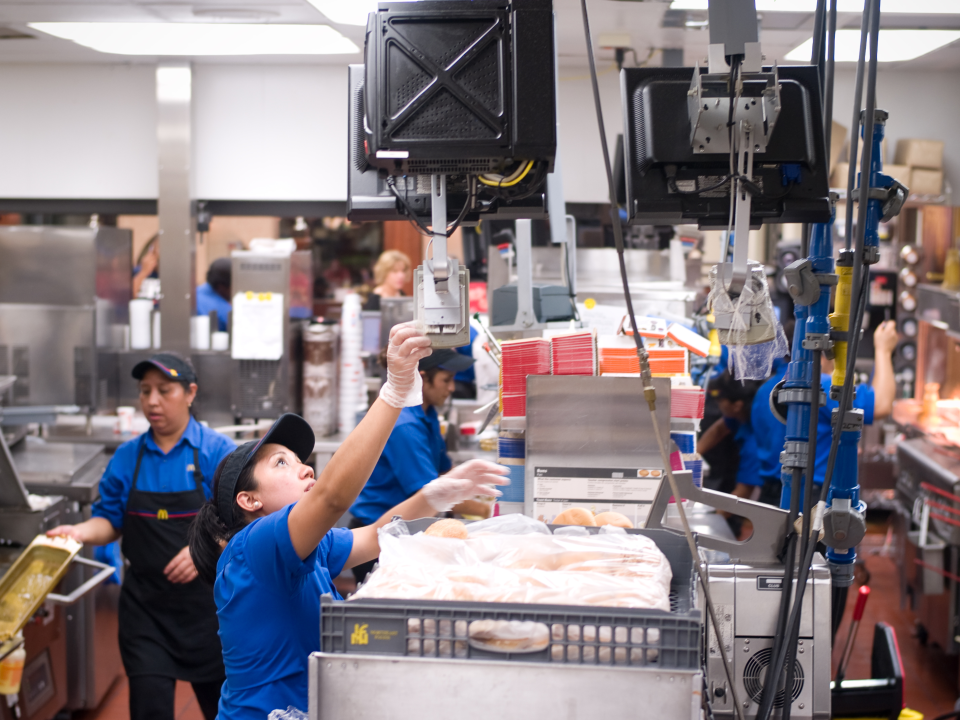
{"points": [[769, 523], [105, 572]]}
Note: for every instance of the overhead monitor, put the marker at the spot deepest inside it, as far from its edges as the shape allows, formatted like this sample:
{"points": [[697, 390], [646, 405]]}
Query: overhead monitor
{"points": [[669, 181]]}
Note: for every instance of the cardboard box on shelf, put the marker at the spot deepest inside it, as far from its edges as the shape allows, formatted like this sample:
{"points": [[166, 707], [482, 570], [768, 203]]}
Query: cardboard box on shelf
{"points": [[898, 172], [920, 153], [926, 182], [838, 136]]}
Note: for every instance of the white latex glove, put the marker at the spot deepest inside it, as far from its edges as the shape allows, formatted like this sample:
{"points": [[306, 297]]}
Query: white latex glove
{"points": [[404, 386], [464, 482]]}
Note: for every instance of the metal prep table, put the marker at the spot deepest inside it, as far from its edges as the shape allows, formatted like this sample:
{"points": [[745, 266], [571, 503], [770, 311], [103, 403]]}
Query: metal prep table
{"points": [[73, 471]]}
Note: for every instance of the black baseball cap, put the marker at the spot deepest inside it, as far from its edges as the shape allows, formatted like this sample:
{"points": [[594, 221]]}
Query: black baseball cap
{"points": [[173, 366], [291, 431], [446, 359]]}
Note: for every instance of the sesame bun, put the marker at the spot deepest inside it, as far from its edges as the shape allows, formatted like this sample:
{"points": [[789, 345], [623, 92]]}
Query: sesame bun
{"points": [[575, 516], [613, 518], [447, 529]]}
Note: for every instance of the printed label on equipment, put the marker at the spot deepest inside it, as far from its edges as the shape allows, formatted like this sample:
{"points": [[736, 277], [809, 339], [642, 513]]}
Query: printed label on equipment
{"points": [[725, 620], [592, 484], [547, 510], [376, 635], [772, 582]]}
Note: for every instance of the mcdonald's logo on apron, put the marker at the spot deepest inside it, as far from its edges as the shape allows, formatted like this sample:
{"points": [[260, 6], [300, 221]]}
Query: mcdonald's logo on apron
{"points": [[162, 514]]}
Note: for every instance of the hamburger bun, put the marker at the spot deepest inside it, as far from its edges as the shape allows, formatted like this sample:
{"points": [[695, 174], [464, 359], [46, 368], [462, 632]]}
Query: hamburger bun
{"points": [[575, 516], [448, 528], [613, 518]]}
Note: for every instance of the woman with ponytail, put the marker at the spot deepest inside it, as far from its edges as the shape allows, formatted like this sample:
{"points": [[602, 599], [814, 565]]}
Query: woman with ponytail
{"points": [[267, 540]]}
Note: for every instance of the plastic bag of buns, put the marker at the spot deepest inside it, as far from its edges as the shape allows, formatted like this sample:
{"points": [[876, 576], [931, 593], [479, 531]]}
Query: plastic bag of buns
{"points": [[611, 568]]}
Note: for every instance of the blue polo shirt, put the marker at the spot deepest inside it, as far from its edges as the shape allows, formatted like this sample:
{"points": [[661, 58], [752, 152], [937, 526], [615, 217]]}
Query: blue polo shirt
{"points": [[748, 471], [160, 472], [768, 431], [208, 299], [268, 605], [415, 454], [862, 399]]}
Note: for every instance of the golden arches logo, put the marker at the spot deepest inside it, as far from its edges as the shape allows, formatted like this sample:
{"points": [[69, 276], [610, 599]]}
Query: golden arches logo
{"points": [[162, 514]]}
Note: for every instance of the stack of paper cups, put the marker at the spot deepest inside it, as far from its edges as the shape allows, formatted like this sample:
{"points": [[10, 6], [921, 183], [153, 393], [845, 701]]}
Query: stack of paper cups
{"points": [[220, 341], [140, 328], [320, 407], [156, 329], [200, 332], [351, 366]]}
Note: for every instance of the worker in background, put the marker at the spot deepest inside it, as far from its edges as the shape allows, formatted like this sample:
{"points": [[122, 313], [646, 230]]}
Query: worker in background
{"points": [[416, 452], [390, 274], [769, 432], [269, 545], [214, 294], [147, 265], [149, 494], [735, 400], [465, 381], [876, 401]]}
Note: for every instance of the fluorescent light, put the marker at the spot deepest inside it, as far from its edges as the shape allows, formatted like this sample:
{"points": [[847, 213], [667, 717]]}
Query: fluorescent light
{"points": [[201, 38], [894, 45], [347, 12], [174, 83], [889, 7]]}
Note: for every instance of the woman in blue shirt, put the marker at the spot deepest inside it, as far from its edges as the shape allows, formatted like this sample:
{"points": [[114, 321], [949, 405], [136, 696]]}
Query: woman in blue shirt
{"points": [[149, 494], [268, 542]]}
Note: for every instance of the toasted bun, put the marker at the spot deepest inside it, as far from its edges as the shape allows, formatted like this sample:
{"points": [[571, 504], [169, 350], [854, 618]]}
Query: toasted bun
{"points": [[613, 518], [447, 529], [575, 516]]}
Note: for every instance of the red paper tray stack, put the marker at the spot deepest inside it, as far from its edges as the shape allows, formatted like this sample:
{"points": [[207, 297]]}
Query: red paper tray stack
{"points": [[520, 358], [686, 402], [575, 353]]}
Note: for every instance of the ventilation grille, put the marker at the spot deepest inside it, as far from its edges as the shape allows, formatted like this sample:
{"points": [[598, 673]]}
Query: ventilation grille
{"points": [[444, 116], [445, 80], [465, 166], [359, 156], [639, 136], [755, 673]]}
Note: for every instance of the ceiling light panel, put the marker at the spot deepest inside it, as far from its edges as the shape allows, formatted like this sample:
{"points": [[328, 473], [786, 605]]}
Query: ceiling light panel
{"points": [[893, 45], [889, 7], [347, 12], [195, 39]]}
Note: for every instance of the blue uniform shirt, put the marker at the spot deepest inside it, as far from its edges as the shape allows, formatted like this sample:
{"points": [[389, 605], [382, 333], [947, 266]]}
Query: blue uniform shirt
{"points": [[207, 300], [159, 472], [414, 455], [268, 605], [469, 375], [768, 431], [862, 399], [748, 471]]}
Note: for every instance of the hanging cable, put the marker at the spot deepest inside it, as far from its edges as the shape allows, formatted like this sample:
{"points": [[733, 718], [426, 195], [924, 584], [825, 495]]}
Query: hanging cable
{"points": [[855, 127], [648, 391]]}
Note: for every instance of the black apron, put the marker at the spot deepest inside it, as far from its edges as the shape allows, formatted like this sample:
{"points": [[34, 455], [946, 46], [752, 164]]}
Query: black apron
{"points": [[166, 628]]}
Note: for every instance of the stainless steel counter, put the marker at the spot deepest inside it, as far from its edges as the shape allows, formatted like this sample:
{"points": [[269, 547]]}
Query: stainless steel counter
{"points": [[67, 469]]}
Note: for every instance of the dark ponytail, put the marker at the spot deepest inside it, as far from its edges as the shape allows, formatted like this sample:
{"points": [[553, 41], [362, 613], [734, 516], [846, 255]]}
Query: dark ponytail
{"points": [[208, 534]]}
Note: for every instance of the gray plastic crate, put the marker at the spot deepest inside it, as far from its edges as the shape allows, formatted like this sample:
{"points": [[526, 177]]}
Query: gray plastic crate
{"points": [[578, 634]]}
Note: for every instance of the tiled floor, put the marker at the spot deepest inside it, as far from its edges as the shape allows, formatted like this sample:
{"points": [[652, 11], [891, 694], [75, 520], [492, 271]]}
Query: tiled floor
{"points": [[115, 705], [930, 676]]}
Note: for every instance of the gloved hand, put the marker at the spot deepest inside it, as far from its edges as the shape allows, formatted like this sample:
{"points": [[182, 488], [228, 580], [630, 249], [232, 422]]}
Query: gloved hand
{"points": [[464, 482], [404, 386]]}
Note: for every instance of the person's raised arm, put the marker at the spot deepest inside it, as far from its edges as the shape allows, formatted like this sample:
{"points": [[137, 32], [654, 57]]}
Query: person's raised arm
{"points": [[348, 470], [884, 385]]}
